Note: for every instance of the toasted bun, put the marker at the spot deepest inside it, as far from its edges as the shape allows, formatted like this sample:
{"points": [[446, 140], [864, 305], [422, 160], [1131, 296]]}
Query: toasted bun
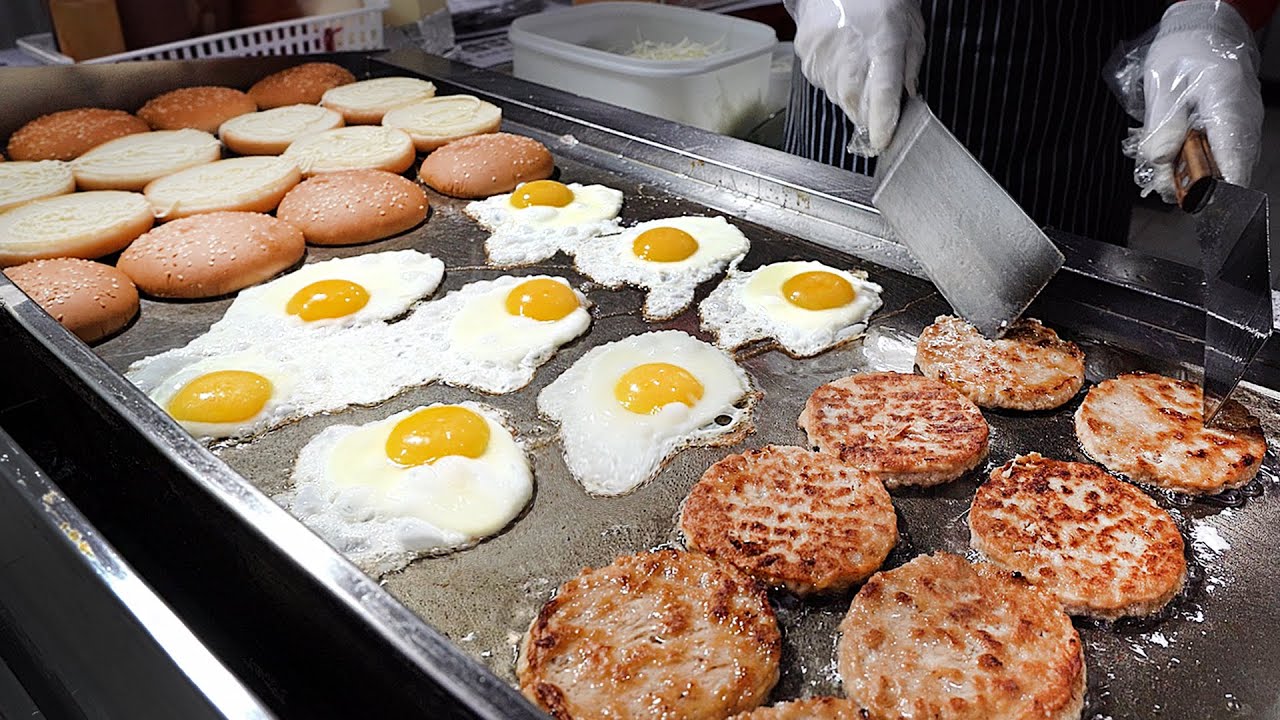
{"points": [[22, 182], [83, 225], [90, 299], [438, 121], [68, 134], [353, 148], [202, 108], [303, 84], [270, 132], [212, 254], [129, 163], [252, 184], [365, 102], [353, 206], [484, 165]]}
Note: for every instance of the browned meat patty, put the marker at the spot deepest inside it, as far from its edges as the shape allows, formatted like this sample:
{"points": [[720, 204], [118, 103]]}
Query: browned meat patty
{"points": [[818, 708], [940, 638], [792, 518], [663, 634], [1100, 545], [906, 429], [1151, 428], [1030, 368]]}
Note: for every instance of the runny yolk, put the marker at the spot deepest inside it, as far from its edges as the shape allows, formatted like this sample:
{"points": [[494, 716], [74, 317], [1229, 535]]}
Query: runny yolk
{"points": [[542, 192], [542, 299], [664, 244], [435, 432], [327, 299], [223, 396], [818, 290], [646, 389]]}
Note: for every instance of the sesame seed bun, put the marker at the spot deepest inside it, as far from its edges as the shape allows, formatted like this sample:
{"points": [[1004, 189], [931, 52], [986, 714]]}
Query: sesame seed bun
{"points": [[68, 134], [483, 165], [365, 102], [203, 107], [90, 299], [212, 254], [83, 225], [303, 84], [130, 162], [441, 120], [270, 132], [251, 184], [353, 206], [21, 182], [362, 147]]}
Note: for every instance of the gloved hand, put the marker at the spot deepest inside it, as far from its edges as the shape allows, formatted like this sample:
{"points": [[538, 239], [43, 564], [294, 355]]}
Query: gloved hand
{"points": [[862, 54], [1200, 71]]}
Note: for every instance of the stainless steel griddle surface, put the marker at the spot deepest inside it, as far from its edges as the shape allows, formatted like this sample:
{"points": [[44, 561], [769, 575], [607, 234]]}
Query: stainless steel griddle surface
{"points": [[1211, 654]]}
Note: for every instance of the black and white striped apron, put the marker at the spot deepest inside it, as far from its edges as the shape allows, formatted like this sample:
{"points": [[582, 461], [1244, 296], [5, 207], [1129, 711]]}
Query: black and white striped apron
{"points": [[1020, 83]]}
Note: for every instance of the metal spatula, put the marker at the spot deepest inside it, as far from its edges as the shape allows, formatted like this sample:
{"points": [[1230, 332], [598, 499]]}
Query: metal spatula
{"points": [[984, 254], [1232, 225]]}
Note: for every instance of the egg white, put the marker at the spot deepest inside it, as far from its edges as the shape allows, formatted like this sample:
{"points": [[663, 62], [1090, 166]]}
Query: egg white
{"points": [[523, 236], [749, 306], [474, 342], [162, 381], [611, 261], [611, 450], [382, 515]]}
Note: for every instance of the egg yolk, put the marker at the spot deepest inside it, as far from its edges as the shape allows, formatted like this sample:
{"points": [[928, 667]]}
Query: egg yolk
{"points": [[542, 299], [542, 192], [646, 389], [224, 396], [327, 299], [664, 244], [818, 290], [428, 435]]}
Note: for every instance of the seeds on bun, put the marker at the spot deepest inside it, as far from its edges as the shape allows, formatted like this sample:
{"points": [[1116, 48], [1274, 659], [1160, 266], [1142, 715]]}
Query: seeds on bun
{"points": [[68, 134], [302, 84], [204, 107], [483, 165], [90, 299], [353, 206]]}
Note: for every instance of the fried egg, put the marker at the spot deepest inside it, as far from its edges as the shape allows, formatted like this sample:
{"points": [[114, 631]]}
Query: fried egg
{"points": [[492, 335], [804, 306], [625, 407], [542, 217], [668, 257], [237, 395], [426, 480]]}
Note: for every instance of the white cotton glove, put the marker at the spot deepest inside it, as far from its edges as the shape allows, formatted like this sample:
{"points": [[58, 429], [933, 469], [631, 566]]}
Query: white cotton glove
{"points": [[862, 54], [1200, 71]]}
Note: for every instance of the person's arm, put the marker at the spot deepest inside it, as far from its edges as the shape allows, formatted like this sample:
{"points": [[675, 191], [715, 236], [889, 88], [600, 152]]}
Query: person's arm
{"points": [[1255, 12]]}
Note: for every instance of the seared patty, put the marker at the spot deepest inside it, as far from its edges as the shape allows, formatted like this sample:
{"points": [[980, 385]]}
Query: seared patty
{"points": [[906, 429], [793, 518], [940, 638], [1151, 428], [1030, 368], [818, 708], [1100, 545], [663, 634]]}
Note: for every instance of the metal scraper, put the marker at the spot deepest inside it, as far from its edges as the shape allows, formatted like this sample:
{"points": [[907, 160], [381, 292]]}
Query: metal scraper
{"points": [[1232, 225], [984, 254]]}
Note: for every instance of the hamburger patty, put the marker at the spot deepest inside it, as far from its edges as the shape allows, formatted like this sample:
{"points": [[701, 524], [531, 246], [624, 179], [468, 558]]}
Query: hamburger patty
{"points": [[941, 638], [817, 708], [1030, 368], [793, 518], [1100, 545], [1151, 428], [663, 634], [906, 429]]}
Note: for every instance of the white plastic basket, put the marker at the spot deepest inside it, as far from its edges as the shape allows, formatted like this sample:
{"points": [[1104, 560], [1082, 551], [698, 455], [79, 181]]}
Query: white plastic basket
{"points": [[349, 30]]}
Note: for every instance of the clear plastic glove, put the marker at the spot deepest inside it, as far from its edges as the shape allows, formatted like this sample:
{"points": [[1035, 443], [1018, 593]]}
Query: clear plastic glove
{"points": [[1201, 71], [862, 54]]}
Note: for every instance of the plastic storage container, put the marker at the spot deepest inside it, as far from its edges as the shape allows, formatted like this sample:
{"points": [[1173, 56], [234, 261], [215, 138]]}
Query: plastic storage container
{"points": [[580, 50]]}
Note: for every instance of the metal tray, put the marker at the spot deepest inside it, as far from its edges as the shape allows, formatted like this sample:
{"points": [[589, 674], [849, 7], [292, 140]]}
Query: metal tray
{"points": [[1207, 656]]}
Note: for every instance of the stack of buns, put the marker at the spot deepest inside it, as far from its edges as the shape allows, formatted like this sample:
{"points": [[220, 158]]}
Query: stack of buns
{"points": [[89, 183]]}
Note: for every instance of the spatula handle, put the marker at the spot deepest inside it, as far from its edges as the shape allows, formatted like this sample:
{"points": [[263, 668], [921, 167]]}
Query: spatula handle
{"points": [[1194, 172]]}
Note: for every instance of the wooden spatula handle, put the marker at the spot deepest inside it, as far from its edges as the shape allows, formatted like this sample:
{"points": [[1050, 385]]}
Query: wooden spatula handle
{"points": [[1194, 172]]}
